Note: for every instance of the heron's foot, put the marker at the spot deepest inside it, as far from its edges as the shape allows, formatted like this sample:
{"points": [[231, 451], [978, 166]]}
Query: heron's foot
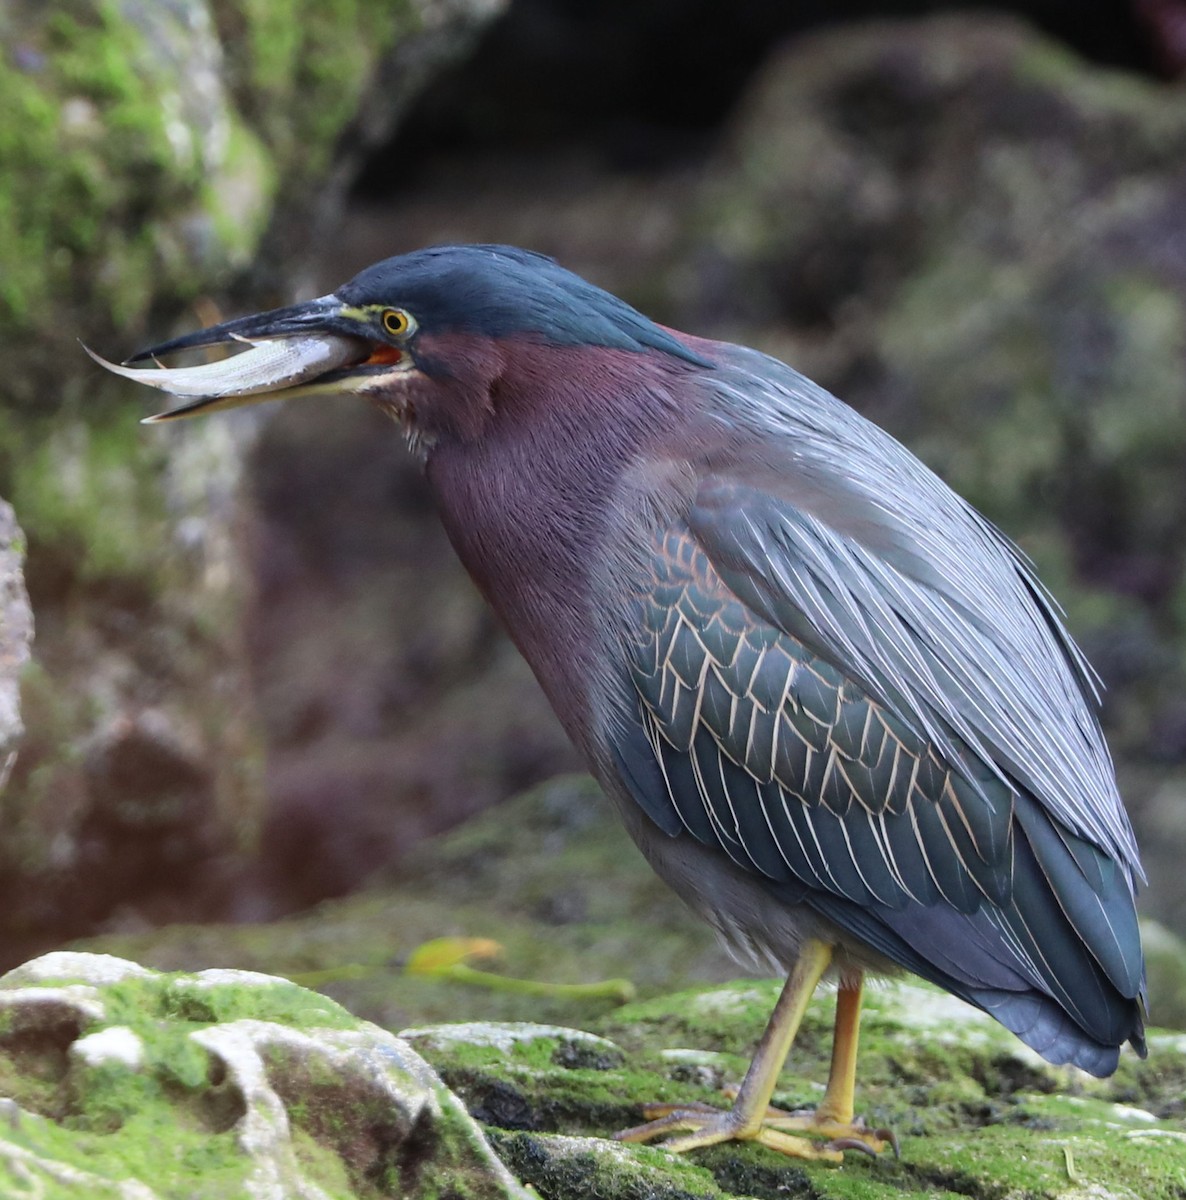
{"points": [[844, 1132], [697, 1125], [842, 1135]]}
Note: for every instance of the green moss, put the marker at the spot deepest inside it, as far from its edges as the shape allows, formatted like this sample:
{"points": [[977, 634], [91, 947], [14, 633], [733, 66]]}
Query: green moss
{"points": [[322, 1166], [84, 134], [1119, 99], [34, 1082], [183, 1164], [182, 1000], [302, 68], [90, 498], [958, 1089], [1024, 1163], [160, 1122], [237, 199], [564, 1167], [937, 1072], [728, 1018]]}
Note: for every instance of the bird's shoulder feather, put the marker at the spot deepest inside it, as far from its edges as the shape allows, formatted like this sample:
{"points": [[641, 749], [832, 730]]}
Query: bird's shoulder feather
{"points": [[832, 532]]}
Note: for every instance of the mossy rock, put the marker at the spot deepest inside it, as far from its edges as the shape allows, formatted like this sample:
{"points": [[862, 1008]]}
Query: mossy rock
{"points": [[147, 149], [553, 877], [128, 176], [148, 144], [963, 1093], [227, 1083], [120, 1081], [978, 1114]]}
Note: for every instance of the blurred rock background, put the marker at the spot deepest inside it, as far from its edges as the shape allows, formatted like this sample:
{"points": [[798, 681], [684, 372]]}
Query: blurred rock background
{"points": [[258, 676]]}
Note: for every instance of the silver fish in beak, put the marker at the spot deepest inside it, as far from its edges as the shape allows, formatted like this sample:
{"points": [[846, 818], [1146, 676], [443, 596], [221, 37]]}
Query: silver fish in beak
{"points": [[297, 351], [245, 378]]}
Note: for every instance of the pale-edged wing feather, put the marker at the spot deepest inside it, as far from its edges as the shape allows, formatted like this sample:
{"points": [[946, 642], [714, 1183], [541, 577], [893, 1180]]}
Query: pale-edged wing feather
{"points": [[835, 533]]}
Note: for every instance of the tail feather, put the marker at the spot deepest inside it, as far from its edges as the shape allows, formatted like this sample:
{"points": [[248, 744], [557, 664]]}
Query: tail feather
{"points": [[1059, 964]]}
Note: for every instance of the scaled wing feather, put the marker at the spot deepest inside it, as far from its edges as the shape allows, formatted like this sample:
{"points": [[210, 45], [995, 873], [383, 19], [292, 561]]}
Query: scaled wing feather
{"points": [[842, 538]]}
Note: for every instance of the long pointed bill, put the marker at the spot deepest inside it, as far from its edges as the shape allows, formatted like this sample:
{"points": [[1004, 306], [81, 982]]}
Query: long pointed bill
{"points": [[288, 352]]}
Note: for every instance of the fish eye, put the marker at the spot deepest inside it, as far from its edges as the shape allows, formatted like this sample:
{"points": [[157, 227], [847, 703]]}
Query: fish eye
{"points": [[396, 322]]}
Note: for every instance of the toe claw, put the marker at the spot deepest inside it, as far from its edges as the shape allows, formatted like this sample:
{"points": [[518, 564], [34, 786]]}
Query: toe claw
{"points": [[852, 1143], [868, 1145]]}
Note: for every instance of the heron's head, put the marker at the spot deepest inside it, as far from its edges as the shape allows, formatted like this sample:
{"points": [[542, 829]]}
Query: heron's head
{"points": [[427, 336]]}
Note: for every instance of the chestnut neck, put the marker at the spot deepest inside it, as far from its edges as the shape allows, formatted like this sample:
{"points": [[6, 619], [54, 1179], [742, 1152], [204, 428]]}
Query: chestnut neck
{"points": [[527, 504]]}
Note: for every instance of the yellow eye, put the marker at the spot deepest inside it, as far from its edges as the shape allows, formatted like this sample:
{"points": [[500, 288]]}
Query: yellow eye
{"points": [[396, 322]]}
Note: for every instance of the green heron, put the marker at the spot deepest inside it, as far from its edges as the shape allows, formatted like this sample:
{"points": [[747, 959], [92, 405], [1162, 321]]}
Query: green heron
{"points": [[832, 703]]}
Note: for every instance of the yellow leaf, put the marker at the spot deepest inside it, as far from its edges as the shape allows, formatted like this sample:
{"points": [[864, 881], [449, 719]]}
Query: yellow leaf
{"points": [[440, 955]]}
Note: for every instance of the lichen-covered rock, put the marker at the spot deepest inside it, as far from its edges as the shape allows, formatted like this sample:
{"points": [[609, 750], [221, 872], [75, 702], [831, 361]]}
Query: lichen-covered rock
{"points": [[124, 1082], [16, 632]]}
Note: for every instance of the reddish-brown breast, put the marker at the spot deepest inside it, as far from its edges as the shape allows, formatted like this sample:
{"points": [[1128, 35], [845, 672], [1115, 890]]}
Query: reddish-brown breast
{"points": [[528, 502]]}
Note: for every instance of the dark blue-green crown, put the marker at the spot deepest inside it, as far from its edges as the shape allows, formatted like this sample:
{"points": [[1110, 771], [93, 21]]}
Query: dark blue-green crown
{"points": [[502, 291]]}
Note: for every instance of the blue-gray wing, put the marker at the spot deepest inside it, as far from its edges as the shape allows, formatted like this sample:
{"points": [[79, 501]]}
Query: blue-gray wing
{"points": [[833, 532], [768, 749]]}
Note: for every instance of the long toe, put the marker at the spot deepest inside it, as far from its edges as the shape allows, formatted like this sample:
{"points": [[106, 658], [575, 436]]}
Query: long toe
{"points": [[697, 1125], [819, 1123], [841, 1135]]}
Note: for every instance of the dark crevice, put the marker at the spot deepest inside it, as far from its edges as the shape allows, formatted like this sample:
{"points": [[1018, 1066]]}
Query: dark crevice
{"points": [[646, 85]]}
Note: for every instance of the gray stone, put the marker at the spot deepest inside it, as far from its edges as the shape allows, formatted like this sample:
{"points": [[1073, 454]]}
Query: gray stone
{"points": [[16, 633]]}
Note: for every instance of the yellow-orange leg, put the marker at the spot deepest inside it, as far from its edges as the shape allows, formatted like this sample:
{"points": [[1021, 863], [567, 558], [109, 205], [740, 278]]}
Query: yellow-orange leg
{"points": [[751, 1118], [833, 1118], [702, 1125]]}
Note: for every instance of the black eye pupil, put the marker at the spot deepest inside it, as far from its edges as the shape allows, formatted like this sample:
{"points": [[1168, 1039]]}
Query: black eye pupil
{"points": [[394, 322]]}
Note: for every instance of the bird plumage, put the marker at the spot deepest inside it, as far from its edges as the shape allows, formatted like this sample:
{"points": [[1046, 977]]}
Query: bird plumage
{"points": [[832, 702], [840, 677]]}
